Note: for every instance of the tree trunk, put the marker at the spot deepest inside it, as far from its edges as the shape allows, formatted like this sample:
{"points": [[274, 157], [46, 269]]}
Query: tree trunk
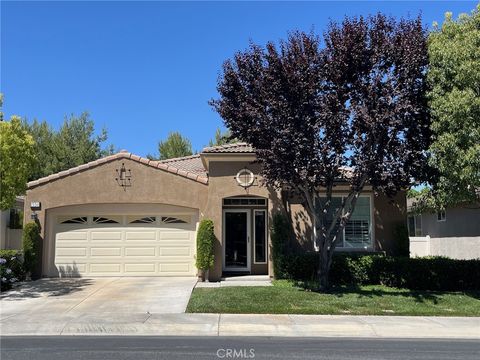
{"points": [[323, 270]]}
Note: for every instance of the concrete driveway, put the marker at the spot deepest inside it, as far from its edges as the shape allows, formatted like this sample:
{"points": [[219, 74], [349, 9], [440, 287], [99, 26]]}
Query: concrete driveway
{"points": [[121, 299]]}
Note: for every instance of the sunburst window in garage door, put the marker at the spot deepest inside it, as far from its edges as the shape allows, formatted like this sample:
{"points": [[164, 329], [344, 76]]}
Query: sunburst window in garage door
{"points": [[142, 219], [175, 219], [106, 220], [73, 220]]}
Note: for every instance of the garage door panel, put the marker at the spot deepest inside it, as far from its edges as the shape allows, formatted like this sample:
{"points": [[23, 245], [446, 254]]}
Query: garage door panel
{"points": [[104, 251], [71, 251], [106, 235], [72, 236], [140, 268], [155, 249], [136, 251], [175, 267], [175, 251], [70, 269], [105, 268], [171, 235], [141, 235]]}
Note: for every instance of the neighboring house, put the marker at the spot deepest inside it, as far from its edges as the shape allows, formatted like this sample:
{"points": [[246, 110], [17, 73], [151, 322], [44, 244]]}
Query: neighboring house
{"points": [[124, 215], [454, 232], [11, 221]]}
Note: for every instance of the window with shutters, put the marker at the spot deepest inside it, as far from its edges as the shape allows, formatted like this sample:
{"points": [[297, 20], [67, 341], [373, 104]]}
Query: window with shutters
{"points": [[357, 234]]}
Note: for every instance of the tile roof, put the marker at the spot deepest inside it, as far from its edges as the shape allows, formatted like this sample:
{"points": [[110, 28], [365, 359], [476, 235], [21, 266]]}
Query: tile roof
{"points": [[239, 147], [192, 164], [183, 168]]}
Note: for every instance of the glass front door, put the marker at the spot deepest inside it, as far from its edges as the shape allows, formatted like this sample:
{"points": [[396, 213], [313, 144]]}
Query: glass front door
{"points": [[237, 240]]}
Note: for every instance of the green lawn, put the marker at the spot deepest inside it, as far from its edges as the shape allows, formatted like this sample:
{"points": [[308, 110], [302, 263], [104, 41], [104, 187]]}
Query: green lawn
{"points": [[285, 298]]}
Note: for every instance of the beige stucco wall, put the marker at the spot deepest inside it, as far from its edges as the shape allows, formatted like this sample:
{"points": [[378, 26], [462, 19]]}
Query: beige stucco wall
{"points": [[388, 214]]}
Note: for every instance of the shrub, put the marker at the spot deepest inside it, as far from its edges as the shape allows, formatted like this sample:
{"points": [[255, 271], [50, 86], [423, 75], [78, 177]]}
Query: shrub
{"points": [[429, 273], [11, 269], [31, 248], [280, 231], [205, 245]]}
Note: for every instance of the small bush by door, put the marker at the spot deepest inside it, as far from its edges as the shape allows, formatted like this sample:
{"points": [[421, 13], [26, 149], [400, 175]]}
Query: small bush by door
{"points": [[205, 244], [31, 249]]}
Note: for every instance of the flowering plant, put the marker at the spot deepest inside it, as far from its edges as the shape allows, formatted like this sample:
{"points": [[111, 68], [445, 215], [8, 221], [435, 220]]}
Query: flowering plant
{"points": [[11, 270]]}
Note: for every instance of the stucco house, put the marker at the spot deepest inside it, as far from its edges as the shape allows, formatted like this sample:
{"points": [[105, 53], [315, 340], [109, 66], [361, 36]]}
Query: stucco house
{"points": [[453, 232], [124, 215]]}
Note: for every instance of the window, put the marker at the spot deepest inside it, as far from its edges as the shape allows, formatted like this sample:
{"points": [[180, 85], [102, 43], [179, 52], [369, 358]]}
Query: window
{"points": [[73, 220], [244, 201], [415, 225], [441, 215], [142, 220], [16, 219], [175, 219], [105, 220], [357, 234], [260, 236]]}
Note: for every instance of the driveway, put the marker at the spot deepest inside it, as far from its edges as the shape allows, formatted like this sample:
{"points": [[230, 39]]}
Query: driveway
{"points": [[120, 299]]}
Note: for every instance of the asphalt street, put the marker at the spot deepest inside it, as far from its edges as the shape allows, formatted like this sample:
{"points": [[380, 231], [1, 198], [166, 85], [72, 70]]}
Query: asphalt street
{"points": [[173, 348]]}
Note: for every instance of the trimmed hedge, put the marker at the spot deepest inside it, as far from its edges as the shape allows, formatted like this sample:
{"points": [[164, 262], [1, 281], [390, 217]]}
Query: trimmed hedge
{"points": [[11, 268], [31, 248], [428, 273], [205, 244]]}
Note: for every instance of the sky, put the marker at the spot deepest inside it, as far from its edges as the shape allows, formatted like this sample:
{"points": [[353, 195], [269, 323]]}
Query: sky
{"points": [[144, 69]]}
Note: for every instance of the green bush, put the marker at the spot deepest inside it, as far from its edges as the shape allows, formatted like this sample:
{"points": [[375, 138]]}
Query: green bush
{"points": [[31, 248], [429, 273], [11, 269], [205, 245], [280, 231]]}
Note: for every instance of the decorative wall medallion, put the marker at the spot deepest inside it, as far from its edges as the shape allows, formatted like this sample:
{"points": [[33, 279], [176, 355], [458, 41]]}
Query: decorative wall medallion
{"points": [[245, 178]]}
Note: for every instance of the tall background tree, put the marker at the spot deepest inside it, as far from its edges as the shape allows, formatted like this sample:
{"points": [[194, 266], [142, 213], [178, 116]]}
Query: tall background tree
{"points": [[17, 156], [454, 76], [75, 143], [222, 138], [354, 109], [175, 145]]}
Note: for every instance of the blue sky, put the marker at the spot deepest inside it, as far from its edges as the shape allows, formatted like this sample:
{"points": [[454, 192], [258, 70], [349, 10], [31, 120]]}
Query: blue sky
{"points": [[145, 69]]}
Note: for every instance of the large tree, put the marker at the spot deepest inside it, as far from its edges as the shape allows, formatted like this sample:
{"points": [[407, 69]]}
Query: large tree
{"points": [[75, 143], [17, 156], [175, 145], [454, 75], [353, 111]]}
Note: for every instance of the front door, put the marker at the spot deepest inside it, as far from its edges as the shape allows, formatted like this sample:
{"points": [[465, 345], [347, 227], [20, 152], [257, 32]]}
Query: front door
{"points": [[236, 224]]}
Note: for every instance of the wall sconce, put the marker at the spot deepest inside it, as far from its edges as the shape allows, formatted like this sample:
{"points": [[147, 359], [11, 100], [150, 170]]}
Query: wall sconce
{"points": [[124, 176], [34, 206]]}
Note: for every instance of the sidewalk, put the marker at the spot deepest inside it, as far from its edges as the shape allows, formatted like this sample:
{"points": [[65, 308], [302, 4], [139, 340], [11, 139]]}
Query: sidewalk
{"points": [[251, 325]]}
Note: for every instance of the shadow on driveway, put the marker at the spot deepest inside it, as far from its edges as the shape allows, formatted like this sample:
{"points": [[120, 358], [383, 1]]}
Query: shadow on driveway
{"points": [[46, 288]]}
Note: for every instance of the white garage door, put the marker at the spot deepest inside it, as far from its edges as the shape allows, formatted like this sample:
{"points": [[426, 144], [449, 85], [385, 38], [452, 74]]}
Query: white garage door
{"points": [[125, 245]]}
